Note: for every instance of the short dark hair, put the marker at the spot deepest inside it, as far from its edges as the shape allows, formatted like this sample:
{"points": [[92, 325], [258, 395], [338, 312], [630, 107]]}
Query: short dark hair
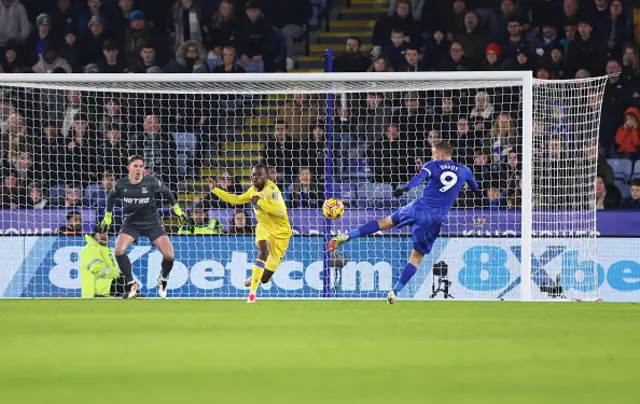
{"points": [[635, 183], [355, 38], [73, 213], [261, 166], [135, 157], [106, 172], [397, 31], [444, 147]]}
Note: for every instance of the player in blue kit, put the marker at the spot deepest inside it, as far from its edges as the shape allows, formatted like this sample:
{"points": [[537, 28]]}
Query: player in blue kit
{"points": [[425, 214]]}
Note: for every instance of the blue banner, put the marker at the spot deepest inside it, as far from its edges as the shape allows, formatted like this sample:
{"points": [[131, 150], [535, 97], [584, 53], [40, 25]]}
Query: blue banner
{"points": [[217, 266], [460, 222]]}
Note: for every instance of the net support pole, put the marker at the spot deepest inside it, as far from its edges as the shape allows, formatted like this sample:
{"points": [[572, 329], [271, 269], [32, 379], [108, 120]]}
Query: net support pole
{"points": [[526, 231], [328, 179]]}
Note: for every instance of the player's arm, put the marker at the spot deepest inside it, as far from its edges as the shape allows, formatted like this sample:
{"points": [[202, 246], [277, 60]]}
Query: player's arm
{"points": [[227, 197], [422, 176], [473, 185], [274, 205], [166, 192], [108, 215]]}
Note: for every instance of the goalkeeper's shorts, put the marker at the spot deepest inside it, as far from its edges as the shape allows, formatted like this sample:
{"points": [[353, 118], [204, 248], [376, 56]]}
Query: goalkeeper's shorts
{"points": [[150, 230]]}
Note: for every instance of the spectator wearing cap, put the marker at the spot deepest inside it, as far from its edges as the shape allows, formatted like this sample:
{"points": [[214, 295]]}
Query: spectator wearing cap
{"points": [[111, 62], [70, 49], [401, 20], [256, 39], [492, 60], [288, 17], [92, 43], [587, 51], [38, 39], [138, 35], [473, 40], [51, 60], [614, 27], [544, 41], [351, 60], [190, 58], [12, 57], [95, 8], [185, 22], [514, 39], [63, 14], [436, 49], [14, 22]]}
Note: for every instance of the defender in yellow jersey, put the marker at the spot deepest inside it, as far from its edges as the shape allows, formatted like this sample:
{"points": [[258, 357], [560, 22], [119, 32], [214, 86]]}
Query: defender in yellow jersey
{"points": [[273, 230]]}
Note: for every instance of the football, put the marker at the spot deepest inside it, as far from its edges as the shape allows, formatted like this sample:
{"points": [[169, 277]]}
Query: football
{"points": [[333, 208]]}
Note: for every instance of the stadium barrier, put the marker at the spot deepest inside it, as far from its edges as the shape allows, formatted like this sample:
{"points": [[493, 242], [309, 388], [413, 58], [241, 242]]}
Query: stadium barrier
{"points": [[48, 267]]}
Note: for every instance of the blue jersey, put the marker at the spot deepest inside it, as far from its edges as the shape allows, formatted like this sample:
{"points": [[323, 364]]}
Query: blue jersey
{"points": [[446, 180]]}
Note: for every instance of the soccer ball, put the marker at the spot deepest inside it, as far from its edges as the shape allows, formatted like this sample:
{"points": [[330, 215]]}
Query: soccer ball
{"points": [[333, 208]]}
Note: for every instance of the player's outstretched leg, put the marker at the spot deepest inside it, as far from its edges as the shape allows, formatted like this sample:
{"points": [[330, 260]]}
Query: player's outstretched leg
{"points": [[406, 275], [163, 244], [373, 226], [131, 287]]}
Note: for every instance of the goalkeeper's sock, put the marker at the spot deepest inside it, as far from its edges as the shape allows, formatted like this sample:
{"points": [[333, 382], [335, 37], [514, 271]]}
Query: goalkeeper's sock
{"points": [[405, 276], [125, 266], [167, 266], [256, 275], [369, 228]]}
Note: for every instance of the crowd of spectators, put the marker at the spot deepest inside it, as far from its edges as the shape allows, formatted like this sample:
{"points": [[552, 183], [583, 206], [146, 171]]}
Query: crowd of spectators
{"points": [[66, 148]]}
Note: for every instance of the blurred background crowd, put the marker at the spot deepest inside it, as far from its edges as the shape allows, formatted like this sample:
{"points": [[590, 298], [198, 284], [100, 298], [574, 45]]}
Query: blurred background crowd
{"points": [[66, 148]]}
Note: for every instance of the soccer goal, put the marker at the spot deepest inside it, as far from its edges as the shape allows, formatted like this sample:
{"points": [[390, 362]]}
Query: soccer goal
{"points": [[528, 234]]}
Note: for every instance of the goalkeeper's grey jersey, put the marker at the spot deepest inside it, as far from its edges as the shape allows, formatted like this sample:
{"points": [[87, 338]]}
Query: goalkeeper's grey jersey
{"points": [[139, 199]]}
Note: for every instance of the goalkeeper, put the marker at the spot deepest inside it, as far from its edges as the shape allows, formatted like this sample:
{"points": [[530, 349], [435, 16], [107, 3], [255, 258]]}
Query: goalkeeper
{"points": [[99, 272], [273, 230], [138, 191]]}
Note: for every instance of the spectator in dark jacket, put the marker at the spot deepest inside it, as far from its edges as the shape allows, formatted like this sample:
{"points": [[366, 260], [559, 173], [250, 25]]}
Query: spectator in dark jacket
{"points": [[158, 148], [391, 162], [587, 51], [614, 28], [229, 65], [394, 49], [401, 20], [120, 20], [223, 28], [95, 10], [64, 14], [411, 60], [92, 42], [351, 60], [38, 40], [147, 57], [544, 42], [282, 152], [633, 201], [111, 61], [70, 49], [473, 40], [436, 50], [608, 196], [13, 58], [190, 58], [514, 40], [256, 40], [288, 17], [456, 61], [113, 151], [139, 33]]}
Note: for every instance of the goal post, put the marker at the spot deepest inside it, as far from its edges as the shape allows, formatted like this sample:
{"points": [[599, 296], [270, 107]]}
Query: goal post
{"points": [[528, 234]]}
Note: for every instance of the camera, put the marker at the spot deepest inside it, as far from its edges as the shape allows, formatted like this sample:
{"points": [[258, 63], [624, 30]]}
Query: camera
{"points": [[440, 281]]}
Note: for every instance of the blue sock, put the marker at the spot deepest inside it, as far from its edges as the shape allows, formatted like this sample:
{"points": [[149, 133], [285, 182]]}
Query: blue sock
{"points": [[369, 228], [405, 276]]}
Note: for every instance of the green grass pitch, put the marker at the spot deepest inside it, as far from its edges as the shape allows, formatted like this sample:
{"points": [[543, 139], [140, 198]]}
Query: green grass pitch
{"points": [[152, 351]]}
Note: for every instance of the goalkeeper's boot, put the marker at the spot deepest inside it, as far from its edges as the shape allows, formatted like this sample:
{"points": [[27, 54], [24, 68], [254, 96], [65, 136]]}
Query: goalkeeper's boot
{"points": [[337, 241], [251, 298], [391, 297], [131, 290], [162, 287]]}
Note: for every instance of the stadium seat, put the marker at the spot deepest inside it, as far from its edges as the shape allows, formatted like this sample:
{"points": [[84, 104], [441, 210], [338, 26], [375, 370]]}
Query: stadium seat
{"points": [[57, 193], [253, 67], [621, 168], [186, 147], [625, 190], [374, 195], [636, 171], [415, 193], [347, 193]]}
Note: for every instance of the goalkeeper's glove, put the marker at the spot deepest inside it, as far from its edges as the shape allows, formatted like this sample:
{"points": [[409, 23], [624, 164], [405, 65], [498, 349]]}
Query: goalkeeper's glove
{"points": [[398, 192], [183, 218], [106, 222]]}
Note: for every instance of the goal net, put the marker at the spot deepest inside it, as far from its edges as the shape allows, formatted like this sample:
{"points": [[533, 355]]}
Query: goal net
{"points": [[529, 233]]}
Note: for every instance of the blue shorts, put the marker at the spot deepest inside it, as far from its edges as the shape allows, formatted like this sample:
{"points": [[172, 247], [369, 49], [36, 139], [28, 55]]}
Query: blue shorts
{"points": [[425, 224]]}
